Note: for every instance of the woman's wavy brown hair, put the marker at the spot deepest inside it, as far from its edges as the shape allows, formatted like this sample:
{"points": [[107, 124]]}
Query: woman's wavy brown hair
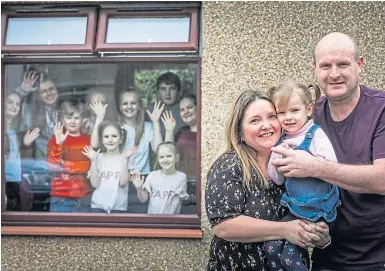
{"points": [[247, 155]]}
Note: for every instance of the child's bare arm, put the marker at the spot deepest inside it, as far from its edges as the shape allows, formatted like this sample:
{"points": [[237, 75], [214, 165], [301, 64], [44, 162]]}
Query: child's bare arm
{"points": [[138, 181], [273, 173], [94, 172], [155, 116], [100, 111], [124, 172], [94, 175], [169, 124]]}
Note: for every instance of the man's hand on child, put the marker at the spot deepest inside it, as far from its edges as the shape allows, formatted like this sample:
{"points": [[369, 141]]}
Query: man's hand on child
{"points": [[157, 112], [168, 121], [90, 153], [60, 136]]}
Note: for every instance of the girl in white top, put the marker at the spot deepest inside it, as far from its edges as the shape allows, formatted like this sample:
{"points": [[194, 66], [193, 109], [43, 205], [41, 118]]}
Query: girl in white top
{"points": [[166, 187], [131, 114], [139, 133], [109, 169]]}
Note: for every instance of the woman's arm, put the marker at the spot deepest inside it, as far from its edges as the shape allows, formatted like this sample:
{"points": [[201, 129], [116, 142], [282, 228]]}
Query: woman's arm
{"points": [[247, 229]]}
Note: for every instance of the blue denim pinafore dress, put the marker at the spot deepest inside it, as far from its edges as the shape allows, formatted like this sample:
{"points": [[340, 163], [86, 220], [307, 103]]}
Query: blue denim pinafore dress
{"points": [[311, 198]]}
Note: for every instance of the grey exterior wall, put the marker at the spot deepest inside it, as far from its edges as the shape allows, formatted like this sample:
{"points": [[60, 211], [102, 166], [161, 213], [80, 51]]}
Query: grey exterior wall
{"points": [[245, 45]]}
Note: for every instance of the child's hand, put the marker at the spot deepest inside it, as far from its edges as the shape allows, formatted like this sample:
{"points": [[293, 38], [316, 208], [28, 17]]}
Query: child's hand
{"points": [[98, 108], [59, 135], [29, 80], [168, 121], [137, 180], [31, 136], [90, 153], [158, 109], [130, 152]]}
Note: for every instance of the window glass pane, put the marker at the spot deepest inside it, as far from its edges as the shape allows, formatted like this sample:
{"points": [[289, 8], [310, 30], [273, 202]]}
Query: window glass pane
{"points": [[56, 172], [147, 30], [46, 31]]}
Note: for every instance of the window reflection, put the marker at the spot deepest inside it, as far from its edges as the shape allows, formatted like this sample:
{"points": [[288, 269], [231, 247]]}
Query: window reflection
{"points": [[91, 138], [148, 30], [44, 31]]}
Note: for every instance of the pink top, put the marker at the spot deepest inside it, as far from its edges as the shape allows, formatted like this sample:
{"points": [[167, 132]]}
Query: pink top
{"points": [[320, 146]]}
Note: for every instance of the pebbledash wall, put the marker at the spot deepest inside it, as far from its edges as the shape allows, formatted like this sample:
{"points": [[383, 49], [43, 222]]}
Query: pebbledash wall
{"points": [[244, 45]]}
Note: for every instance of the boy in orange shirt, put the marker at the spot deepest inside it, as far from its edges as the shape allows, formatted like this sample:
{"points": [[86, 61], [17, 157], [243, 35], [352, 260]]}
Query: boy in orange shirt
{"points": [[70, 188]]}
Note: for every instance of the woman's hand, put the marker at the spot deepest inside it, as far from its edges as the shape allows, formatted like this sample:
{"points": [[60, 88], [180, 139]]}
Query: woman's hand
{"points": [[29, 80], [168, 121], [90, 153], [157, 112], [320, 229], [301, 234], [98, 108], [137, 180], [31, 136], [59, 135]]}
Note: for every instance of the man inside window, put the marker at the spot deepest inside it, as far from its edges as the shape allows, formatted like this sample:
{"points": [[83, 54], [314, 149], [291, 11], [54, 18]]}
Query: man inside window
{"points": [[169, 92]]}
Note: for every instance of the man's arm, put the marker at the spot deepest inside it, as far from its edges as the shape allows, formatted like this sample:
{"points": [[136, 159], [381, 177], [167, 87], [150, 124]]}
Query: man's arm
{"points": [[356, 178]]}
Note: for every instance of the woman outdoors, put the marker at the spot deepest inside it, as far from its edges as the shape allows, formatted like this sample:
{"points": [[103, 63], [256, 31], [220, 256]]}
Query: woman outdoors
{"points": [[242, 205]]}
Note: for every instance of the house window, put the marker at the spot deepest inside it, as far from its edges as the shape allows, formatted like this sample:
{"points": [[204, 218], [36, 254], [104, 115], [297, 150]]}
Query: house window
{"points": [[59, 30], [167, 30], [98, 141], [148, 30], [43, 31]]}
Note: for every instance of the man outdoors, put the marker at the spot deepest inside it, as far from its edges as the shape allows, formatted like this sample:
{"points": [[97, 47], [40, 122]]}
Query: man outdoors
{"points": [[353, 117], [169, 93]]}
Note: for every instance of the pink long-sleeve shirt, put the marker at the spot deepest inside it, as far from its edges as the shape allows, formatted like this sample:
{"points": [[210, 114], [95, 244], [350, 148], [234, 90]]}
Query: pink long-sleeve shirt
{"points": [[320, 146]]}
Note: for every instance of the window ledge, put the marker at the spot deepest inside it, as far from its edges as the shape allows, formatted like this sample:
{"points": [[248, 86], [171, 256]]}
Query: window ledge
{"points": [[106, 232]]}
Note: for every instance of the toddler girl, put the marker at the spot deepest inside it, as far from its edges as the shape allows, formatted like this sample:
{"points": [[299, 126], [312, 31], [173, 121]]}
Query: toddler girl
{"points": [[306, 198]]}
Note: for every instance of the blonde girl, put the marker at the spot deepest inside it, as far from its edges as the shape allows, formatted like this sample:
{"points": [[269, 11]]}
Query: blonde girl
{"points": [[109, 170], [306, 198], [166, 187]]}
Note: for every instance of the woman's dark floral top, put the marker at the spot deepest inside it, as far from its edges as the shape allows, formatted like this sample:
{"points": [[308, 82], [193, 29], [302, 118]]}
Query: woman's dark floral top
{"points": [[226, 198]]}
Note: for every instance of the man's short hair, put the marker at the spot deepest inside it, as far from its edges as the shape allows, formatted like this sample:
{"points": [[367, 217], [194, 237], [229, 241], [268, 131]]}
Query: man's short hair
{"points": [[169, 78]]}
